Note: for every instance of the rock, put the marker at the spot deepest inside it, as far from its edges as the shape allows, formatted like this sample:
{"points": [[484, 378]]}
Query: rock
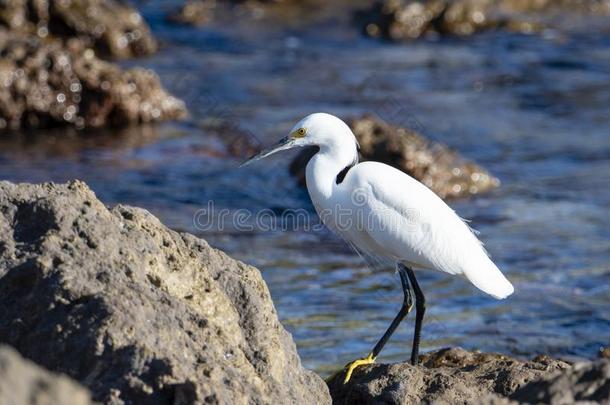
{"points": [[201, 12], [438, 167], [24, 383], [113, 28], [410, 19], [239, 142], [447, 376], [136, 312], [46, 84], [194, 12], [582, 383]]}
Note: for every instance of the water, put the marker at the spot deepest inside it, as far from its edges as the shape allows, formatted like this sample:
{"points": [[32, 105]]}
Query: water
{"points": [[531, 109]]}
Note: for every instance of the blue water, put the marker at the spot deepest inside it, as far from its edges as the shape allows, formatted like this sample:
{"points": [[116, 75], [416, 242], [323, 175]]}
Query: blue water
{"points": [[533, 110]]}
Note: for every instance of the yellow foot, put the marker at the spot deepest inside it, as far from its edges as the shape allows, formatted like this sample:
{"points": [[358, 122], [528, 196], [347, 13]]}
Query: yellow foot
{"points": [[360, 362]]}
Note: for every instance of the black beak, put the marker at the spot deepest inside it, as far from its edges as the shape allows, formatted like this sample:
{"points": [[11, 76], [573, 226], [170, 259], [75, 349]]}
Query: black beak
{"points": [[284, 143]]}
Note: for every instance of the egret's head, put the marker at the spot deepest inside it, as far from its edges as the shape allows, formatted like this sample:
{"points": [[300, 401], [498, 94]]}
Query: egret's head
{"points": [[319, 129]]}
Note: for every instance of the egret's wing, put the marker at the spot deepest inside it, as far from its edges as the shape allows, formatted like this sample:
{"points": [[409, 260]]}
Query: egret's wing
{"points": [[410, 222], [373, 260]]}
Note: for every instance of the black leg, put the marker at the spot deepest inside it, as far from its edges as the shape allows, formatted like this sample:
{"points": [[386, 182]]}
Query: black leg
{"points": [[404, 310], [420, 309], [407, 304]]}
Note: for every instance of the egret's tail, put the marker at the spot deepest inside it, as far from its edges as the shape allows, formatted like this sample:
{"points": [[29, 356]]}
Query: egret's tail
{"points": [[489, 279]]}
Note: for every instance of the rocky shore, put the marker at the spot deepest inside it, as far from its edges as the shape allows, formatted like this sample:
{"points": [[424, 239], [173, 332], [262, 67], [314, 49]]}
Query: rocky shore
{"points": [[405, 20], [46, 84], [112, 28], [451, 376], [129, 312], [51, 73], [411, 19], [136, 312]]}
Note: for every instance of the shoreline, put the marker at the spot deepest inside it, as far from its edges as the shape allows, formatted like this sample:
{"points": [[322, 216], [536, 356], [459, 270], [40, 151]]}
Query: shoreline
{"points": [[113, 298]]}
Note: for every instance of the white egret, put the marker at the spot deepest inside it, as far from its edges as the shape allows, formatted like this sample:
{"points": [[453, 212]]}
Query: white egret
{"points": [[384, 212]]}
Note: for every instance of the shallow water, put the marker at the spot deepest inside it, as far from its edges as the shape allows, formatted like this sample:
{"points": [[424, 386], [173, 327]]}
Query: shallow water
{"points": [[531, 109]]}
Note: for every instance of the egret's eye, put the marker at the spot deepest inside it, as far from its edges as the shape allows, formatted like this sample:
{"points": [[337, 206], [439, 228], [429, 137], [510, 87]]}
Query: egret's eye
{"points": [[299, 133]]}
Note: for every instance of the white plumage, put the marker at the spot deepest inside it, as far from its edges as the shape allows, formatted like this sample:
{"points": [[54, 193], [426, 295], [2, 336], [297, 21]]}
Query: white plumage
{"points": [[386, 213], [406, 222]]}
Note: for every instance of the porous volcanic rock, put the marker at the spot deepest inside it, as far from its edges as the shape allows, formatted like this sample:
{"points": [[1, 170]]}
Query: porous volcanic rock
{"points": [[435, 165], [111, 27], [46, 84], [587, 382], [447, 376], [410, 19], [136, 312], [25, 383]]}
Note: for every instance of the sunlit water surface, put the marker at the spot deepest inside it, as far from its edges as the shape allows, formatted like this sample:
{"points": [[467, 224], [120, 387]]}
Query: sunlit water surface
{"points": [[531, 109]]}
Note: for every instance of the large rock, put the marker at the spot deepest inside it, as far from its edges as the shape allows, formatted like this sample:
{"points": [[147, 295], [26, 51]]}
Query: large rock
{"points": [[410, 19], [438, 167], [136, 312], [582, 383], [24, 383], [46, 84], [448, 376], [451, 376], [111, 27]]}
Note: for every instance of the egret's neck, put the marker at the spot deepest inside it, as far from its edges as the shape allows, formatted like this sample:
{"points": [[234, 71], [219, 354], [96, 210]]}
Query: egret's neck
{"points": [[324, 167]]}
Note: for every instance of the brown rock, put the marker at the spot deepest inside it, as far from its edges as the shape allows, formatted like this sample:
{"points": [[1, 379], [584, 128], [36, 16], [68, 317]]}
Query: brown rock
{"points": [[45, 84], [111, 27], [24, 383], [435, 165], [410, 19], [582, 383], [448, 376], [239, 142], [136, 312], [284, 12], [194, 12]]}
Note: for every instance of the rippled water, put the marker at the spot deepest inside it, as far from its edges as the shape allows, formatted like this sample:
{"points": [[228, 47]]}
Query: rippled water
{"points": [[531, 109]]}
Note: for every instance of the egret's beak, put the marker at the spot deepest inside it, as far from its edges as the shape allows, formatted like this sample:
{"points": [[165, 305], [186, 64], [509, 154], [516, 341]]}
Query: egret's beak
{"points": [[284, 143]]}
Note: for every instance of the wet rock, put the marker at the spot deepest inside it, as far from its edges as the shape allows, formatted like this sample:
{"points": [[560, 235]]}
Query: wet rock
{"points": [[410, 19], [46, 84], [239, 142], [194, 12], [111, 27], [24, 383], [435, 165], [448, 376], [582, 383], [136, 312], [290, 12]]}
